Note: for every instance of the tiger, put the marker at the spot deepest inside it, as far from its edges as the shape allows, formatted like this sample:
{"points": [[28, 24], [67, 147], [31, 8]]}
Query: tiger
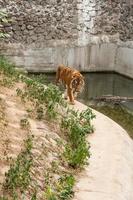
{"points": [[72, 79]]}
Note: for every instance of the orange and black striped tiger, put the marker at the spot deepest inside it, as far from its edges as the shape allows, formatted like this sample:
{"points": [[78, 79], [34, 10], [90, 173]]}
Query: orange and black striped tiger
{"points": [[72, 79]]}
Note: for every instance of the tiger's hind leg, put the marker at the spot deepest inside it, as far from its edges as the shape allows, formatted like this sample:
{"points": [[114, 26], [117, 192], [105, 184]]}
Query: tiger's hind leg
{"points": [[70, 95], [66, 96]]}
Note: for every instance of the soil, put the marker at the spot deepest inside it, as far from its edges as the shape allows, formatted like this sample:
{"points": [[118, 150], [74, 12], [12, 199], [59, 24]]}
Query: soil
{"points": [[45, 146]]}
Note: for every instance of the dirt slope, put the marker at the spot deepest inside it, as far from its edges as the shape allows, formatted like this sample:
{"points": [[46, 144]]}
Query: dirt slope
{"points": [[46, 149]]}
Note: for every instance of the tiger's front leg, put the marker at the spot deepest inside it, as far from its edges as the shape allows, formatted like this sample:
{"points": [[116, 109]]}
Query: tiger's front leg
{"points": [[66, 94], [70, 95]]}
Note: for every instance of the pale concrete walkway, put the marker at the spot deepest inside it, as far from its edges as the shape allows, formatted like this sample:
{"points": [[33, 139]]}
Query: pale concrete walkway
{"points": [[109, 175]]}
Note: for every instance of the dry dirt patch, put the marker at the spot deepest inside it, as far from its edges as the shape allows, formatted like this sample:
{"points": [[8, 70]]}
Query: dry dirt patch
{"points": [[46, 150]]}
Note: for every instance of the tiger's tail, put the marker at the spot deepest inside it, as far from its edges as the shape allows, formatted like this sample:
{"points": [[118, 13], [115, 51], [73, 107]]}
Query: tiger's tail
{"points": [[58, 74]]}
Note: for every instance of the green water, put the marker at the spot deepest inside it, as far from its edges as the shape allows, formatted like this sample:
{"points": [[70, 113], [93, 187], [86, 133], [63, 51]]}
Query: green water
{"points": [[98, 84], [118, 114]]}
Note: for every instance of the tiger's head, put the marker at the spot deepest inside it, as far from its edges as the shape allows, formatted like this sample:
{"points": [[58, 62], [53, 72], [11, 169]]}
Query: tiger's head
{"points": [[77, 83]]}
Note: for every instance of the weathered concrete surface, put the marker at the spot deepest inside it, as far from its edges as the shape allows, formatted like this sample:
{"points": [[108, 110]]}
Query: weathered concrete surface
{"points": [[124, 61], [102, 57], [85, 34], [109, 175], [95, 56]]}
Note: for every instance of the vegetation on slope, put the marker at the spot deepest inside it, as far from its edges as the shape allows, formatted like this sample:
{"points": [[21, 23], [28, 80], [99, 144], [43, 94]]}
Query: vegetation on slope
{"points": [[70, 152], [3, 19]]}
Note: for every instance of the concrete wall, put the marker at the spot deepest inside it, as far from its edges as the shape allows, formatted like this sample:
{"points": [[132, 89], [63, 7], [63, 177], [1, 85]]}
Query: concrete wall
{"points": [[94, 57], [90, 35], [124, 61]]}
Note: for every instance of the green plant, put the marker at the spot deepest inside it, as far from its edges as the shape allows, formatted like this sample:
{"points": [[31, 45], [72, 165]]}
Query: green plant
{"points": [[19, 91], [77, 125], [3, 198], [21, 94], [6, 82], [34, 196], [87, 115], [62, 189], [49, 194], [8, 69], [54, 166], [41, 78], [65, 187], [24, 123], [3, 19], [18, 177], [77, 157], [46, 98], [40, 113]]}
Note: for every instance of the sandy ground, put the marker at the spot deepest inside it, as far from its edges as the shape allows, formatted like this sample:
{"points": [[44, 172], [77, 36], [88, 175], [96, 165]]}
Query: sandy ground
{"points": [[12, 136]]}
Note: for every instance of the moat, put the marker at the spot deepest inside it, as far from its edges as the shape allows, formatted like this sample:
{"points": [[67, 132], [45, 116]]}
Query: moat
{"points": [[99, 84]]}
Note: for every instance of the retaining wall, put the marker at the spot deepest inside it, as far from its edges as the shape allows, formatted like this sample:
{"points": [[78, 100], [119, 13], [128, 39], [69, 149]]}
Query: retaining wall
{"points": [[90, 35]]}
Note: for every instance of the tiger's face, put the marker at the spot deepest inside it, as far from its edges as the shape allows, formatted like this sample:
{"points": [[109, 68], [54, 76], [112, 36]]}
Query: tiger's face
{"points": [[77, 83]]}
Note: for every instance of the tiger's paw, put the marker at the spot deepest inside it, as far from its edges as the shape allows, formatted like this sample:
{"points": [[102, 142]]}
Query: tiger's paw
{"points": [[72, 102], [65, 97]]}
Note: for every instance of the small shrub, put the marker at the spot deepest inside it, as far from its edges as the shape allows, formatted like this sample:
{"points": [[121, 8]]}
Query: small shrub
{"points": [[34, 196], [65, 187], [77, 125], [18, 176], [77, 157], [24, 123], [7, 68], [49, 194], [62, 189], [41, 78], [40, 113], [3, 19], [3, 198], [6, 82], [19, 91], [45, 97]]}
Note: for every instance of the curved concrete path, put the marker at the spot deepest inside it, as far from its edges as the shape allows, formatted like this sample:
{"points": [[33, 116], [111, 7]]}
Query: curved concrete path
{"points": [[109, 175]]}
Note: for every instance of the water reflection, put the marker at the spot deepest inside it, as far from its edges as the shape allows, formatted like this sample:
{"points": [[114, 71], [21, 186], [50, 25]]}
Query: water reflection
{"points": [[98, 84]]}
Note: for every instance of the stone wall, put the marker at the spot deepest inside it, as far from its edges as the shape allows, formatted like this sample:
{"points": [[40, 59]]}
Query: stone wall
{"points": [[39, 20], [91, 35], [115, 17]]}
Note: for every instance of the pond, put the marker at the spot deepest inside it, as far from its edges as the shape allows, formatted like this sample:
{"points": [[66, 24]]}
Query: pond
{"points": [[98, 84]]}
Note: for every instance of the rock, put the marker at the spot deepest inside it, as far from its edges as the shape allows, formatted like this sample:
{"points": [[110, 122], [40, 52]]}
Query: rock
{"points": [[30, 27], [107, 16]]}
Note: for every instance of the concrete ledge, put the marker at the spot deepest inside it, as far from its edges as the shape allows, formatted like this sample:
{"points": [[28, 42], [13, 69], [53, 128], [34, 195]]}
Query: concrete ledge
{"points": [[109, 175]]}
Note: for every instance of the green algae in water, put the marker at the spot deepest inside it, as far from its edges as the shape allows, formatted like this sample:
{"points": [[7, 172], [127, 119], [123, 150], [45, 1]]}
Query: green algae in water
{"points": [[119, 115]]}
